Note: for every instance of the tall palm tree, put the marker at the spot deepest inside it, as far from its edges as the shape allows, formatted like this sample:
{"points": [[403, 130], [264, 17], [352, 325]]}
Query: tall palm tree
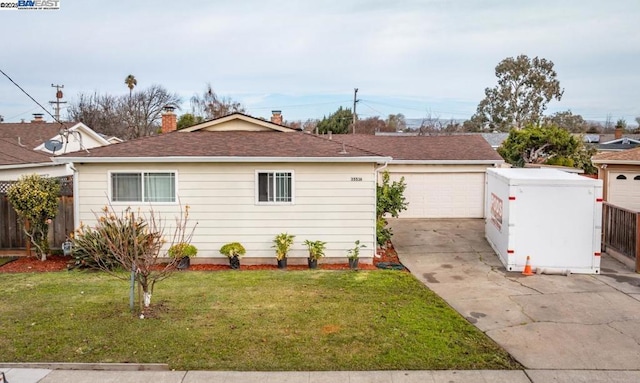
{"points": [[131, 83]]}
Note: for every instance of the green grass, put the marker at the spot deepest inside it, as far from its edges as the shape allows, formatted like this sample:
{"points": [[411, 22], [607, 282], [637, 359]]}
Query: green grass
{"points": [[249, 320], [5, 260]]}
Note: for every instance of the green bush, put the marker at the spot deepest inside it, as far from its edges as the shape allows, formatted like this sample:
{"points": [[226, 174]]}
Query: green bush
{"points": [[183, 249], [389, 200], [233, 249], [85, 243], [35, 199]]}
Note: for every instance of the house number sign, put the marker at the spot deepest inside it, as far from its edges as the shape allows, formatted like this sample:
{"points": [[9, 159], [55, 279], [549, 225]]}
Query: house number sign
{"points": [[356, 179]]}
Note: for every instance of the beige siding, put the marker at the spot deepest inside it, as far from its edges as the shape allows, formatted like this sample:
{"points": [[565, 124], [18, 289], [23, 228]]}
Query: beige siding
{"points": [[327, 206], [236, 125], [45, 171]]}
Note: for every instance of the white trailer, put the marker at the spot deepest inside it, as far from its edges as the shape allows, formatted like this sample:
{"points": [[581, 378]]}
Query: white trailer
{"points": [[552, 216]]}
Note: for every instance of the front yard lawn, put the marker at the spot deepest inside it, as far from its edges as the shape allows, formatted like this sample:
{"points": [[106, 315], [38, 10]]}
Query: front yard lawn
{"points": [[249, 320]]}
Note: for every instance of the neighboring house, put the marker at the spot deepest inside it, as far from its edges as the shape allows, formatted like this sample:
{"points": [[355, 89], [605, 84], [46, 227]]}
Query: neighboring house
{"points": [[612, 142], [494, 139], [445, 174], [246, 180], [620, 173], [26, 147]]}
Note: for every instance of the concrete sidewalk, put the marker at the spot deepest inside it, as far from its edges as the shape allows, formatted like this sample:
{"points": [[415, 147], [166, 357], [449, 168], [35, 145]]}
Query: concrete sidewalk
{"points": [[17, 375], [546, 322]]}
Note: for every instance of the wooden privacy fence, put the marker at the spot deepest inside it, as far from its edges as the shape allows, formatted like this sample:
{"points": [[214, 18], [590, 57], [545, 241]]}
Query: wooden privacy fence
{"points": [[11, 235], [620, 230]]}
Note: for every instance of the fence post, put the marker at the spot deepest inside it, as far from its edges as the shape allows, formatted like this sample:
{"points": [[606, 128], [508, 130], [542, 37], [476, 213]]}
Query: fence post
{"points": [[637, 243]]}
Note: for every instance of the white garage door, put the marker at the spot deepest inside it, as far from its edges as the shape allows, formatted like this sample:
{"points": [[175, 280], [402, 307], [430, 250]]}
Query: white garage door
{"points": [[443, 195], [624, 189]]}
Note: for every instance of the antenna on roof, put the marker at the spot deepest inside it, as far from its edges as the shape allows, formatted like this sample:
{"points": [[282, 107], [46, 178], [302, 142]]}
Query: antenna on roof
{"points": [[53, 145]]}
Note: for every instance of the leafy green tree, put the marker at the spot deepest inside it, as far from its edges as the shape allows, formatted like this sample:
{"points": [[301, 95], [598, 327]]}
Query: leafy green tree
{"points": [[337, 123], [525, 87], [546, 145], [389, 200], [35, 199], [188, 119]]}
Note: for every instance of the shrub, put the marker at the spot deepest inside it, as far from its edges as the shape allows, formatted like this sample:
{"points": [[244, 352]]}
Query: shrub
{"points": [[35, 199], [389, 200], [233, 249], [316, 249], [282, 243], [182, 249]]}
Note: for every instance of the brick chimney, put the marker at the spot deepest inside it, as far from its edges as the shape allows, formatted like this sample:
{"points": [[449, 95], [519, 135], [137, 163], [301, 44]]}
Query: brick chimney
{"points": [[169, 119], [276, 117], [618, 133], [37, 118]]}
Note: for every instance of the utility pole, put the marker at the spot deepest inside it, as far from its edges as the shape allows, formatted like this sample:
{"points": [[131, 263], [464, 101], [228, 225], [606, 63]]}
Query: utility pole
{"points": [[355, 116], [57, 102]]}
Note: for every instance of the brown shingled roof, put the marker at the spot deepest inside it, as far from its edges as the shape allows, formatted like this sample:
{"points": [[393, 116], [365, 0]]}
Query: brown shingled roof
{"points": [[31, 134], [227, 144], [424, 148], [625, 155], [13, 154]]}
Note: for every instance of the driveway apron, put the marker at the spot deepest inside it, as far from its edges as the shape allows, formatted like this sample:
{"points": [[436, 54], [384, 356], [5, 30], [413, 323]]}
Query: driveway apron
{"points": [[577, 322]]}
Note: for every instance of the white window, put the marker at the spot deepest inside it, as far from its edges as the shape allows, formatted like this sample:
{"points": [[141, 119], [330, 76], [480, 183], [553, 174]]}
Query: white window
{"points": [[274, 186], [143, 187]]}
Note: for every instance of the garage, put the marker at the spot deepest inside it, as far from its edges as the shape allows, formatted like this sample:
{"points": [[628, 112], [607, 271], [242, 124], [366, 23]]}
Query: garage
{"points": [[624, 189], [445, 174], [443, 195]]}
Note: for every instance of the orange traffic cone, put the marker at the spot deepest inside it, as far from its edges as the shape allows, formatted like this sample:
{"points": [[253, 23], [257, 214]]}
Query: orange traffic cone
{"points": [[527, 267]]}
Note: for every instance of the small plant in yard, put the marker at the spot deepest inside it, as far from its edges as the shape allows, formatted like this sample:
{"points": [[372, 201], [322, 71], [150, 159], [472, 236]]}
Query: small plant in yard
{"points": [[390, 200], [316, 249], [182, 249], [35, 199], [233, 251], [354, 253], [282, 243]]}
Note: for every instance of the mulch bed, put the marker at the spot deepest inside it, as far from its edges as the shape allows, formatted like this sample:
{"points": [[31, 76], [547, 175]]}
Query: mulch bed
{"points": [[59, 263]]}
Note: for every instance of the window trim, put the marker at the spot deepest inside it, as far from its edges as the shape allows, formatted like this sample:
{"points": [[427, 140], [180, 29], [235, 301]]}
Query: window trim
{"points": [[142, 173], [273, 171]]}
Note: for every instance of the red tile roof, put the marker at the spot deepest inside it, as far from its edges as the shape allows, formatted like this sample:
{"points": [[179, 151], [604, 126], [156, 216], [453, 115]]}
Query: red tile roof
{"points": [[625, 155], [227, 144], [424, 148]]}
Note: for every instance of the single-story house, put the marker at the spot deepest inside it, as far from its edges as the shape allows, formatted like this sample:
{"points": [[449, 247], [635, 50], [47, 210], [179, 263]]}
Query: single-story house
{"points": [[620, 173], [445, 174], [26, 147], [245, 179]]}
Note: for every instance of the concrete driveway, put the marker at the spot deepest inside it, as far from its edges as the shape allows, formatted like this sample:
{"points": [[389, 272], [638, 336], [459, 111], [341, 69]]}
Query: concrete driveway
{"points": [[545, 321]]}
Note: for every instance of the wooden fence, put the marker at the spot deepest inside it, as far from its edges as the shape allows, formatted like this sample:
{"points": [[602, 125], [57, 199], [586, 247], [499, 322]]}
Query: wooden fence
{"points": [[620, 230], [11, 235]]}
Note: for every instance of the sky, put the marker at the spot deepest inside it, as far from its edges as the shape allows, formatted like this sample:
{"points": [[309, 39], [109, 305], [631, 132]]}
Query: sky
{"points": [[421, 58]]}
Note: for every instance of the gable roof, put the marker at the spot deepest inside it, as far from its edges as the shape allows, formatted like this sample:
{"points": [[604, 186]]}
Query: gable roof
{"points": [[453, 149], [630, 157], [11, 153], [218, 124], [32, 134], [226, 146]]}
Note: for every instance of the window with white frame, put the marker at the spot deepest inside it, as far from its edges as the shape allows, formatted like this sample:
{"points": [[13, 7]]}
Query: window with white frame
{"points": [[143, 187], [275, 187]]}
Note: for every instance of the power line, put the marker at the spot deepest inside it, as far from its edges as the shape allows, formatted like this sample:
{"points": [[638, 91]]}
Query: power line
{"points": [[33, 99]]}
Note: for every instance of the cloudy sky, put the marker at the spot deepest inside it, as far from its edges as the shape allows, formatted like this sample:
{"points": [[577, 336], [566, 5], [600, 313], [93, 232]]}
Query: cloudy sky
{"points": [[416, 57]]}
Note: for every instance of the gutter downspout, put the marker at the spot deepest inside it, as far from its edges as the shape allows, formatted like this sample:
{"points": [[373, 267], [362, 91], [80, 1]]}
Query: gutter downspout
{"points": [[375, 218], [76, 200]]}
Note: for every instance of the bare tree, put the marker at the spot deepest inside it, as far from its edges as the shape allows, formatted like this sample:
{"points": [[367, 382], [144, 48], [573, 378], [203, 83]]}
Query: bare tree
{"points": [[209, 105], [126, 117], [136, 242]]}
